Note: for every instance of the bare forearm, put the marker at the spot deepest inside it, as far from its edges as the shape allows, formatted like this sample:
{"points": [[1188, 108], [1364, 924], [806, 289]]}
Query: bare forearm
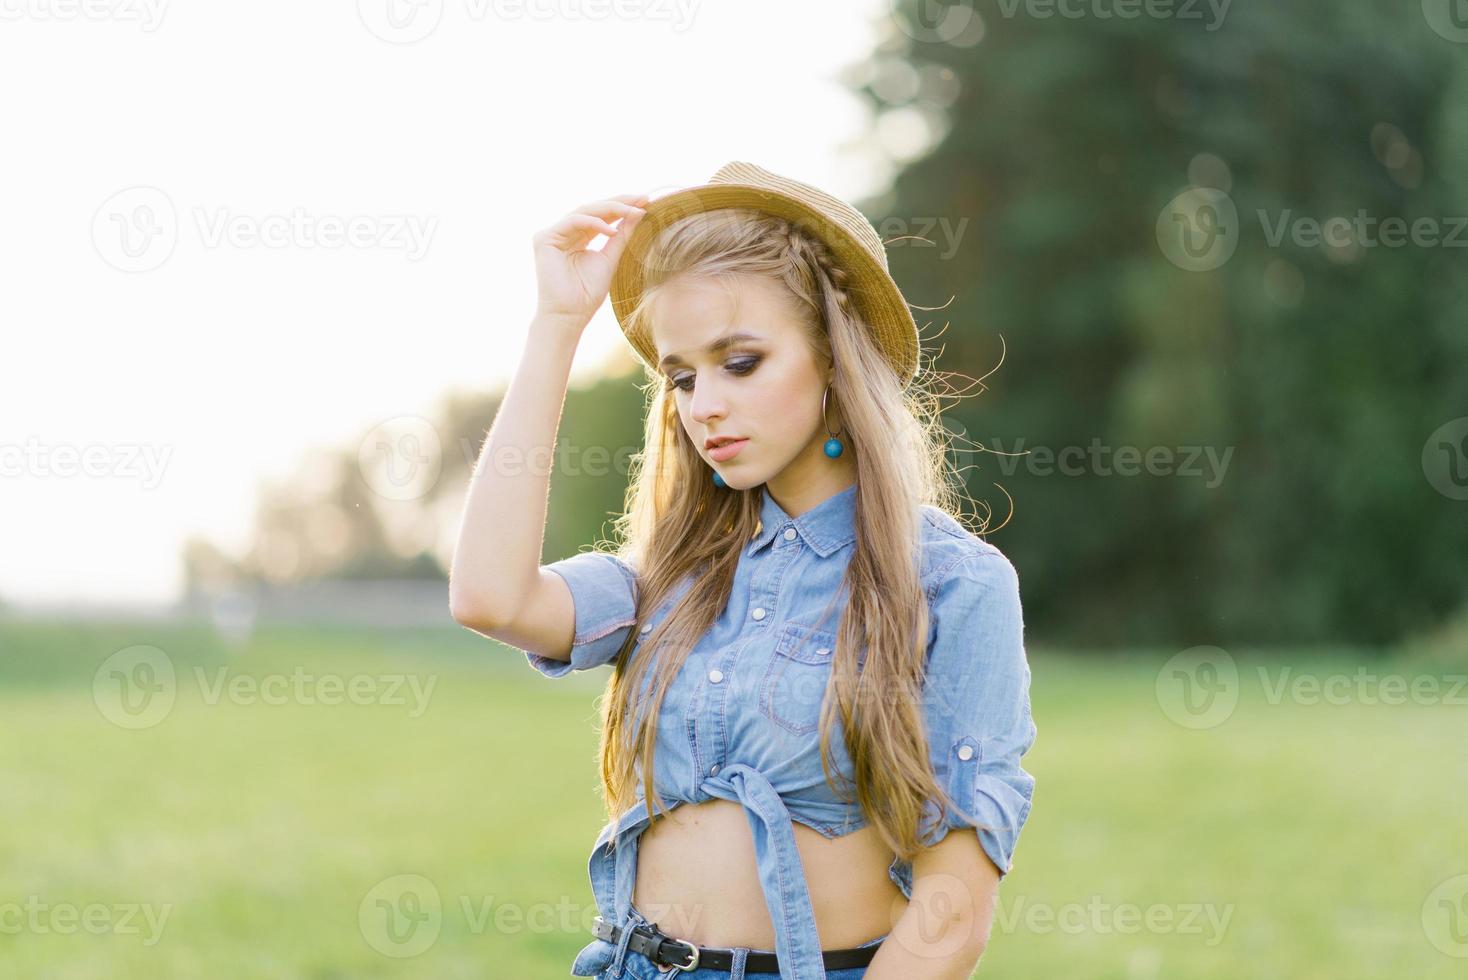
{"points": [[497, 556]]}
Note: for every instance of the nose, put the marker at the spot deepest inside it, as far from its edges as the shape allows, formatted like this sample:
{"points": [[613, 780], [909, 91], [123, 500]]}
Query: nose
{"points": [[708, 403]]}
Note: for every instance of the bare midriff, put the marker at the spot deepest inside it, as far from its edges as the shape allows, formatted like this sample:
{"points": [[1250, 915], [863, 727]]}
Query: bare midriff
{"points": [[698, 879]]}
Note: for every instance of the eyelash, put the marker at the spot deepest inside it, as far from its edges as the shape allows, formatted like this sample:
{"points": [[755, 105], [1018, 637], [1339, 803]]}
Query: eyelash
{"points": [[740, 368]]}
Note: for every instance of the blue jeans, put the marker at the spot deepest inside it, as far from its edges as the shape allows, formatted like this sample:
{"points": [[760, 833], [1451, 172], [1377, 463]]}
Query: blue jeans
{"points": [[636, 966]]}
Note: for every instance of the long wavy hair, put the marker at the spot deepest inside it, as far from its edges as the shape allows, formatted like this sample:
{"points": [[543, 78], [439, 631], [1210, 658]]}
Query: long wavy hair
{"points": [[677, 524]]}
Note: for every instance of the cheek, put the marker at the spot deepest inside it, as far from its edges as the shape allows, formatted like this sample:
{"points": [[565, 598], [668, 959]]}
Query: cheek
{"points": [[786, 408]]}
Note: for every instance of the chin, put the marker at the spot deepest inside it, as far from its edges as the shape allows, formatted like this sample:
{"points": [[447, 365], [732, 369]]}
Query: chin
{"points": [[734, 483], [742, 478]]}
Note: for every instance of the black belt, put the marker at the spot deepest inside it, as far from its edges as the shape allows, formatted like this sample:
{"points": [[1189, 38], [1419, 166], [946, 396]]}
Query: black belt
{"points": [[667, 951]]}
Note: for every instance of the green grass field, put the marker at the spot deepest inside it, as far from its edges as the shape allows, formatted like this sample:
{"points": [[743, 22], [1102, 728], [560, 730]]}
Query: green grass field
{"points": [[228, 836]]}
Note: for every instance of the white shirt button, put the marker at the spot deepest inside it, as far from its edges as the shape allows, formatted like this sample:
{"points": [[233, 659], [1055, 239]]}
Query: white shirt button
{"points": [[759, 612], [713, 770], [822, 652], [647, 628], [966, 752], [790, 534], [716, 675]]}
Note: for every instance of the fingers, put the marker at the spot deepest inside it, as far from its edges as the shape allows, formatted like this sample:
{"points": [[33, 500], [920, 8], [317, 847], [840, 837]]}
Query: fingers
{"points": [[590, 220], [594, 218], [616, 206], [585, 222], [612, 250]]}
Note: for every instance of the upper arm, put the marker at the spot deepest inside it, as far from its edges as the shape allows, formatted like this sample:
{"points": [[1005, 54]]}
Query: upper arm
{"points": [[544, 624], [977, 700], [577, 616], [956, 886]]}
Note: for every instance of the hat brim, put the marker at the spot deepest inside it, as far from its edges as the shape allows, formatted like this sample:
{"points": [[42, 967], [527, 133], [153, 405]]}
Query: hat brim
{"points": [[875, 295]]}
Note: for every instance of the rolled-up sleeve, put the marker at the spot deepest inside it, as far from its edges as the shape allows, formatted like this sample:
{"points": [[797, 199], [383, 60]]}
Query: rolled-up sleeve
{"points": [[604, 590], [977, 704]]}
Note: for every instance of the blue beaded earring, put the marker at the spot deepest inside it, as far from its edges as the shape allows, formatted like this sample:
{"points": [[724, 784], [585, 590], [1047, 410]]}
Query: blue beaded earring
{"points": [[833, 445], [719, 480]]}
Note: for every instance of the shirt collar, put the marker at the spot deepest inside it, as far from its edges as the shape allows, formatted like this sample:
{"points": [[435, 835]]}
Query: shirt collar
{"points": [[829, 525]]}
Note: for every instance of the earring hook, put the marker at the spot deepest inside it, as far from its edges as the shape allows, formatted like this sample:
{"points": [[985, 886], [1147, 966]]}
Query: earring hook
{"points": [[823, 413]]}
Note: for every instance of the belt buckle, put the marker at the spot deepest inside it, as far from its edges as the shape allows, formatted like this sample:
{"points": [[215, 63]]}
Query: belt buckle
{"points": [[668, 941], [691, 966]]}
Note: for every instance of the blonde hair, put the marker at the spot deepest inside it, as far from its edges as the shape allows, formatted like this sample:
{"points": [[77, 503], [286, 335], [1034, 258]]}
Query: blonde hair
{"points": [[677, 523]]}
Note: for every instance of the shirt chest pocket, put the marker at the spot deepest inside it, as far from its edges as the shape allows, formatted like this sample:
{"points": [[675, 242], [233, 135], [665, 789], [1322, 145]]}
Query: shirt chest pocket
{"points": [[796, 676]]}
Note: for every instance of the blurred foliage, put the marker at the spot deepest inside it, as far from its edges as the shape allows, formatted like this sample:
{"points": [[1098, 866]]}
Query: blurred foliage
{"points": [[330, 520], [601, 428], [1323, 370], [325, 522]]}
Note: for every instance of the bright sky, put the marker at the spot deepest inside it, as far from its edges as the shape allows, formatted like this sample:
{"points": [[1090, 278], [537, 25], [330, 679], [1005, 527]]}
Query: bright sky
{"points": [[160, 359]]}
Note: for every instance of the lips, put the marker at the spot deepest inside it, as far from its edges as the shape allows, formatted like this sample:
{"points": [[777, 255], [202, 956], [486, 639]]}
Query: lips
{"points": [[721, 451], [717, 441]]}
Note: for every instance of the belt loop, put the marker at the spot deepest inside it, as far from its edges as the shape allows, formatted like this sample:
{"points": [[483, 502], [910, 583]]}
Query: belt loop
{"points": [[741, 956], [633, 920]]}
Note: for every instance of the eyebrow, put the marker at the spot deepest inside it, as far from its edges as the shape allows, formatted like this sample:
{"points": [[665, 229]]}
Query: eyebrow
{"points": [[715, 347]]}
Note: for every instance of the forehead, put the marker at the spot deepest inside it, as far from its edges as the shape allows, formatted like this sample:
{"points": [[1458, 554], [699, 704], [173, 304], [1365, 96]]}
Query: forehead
{"points": [[688, 315]]}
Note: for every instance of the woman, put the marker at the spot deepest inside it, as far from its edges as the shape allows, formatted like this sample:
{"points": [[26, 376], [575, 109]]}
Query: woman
{"points": [[818, 672]]}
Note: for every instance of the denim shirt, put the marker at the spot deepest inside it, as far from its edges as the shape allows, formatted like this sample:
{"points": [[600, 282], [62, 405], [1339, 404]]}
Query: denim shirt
{"points": [[740, 720]]}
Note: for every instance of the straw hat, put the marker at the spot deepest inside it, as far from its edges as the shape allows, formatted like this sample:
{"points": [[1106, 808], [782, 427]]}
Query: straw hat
{"points": [[845, 230]]}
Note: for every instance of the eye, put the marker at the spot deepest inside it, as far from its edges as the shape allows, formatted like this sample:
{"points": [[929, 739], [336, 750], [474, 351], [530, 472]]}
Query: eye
{"points": [[739, 367]]}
